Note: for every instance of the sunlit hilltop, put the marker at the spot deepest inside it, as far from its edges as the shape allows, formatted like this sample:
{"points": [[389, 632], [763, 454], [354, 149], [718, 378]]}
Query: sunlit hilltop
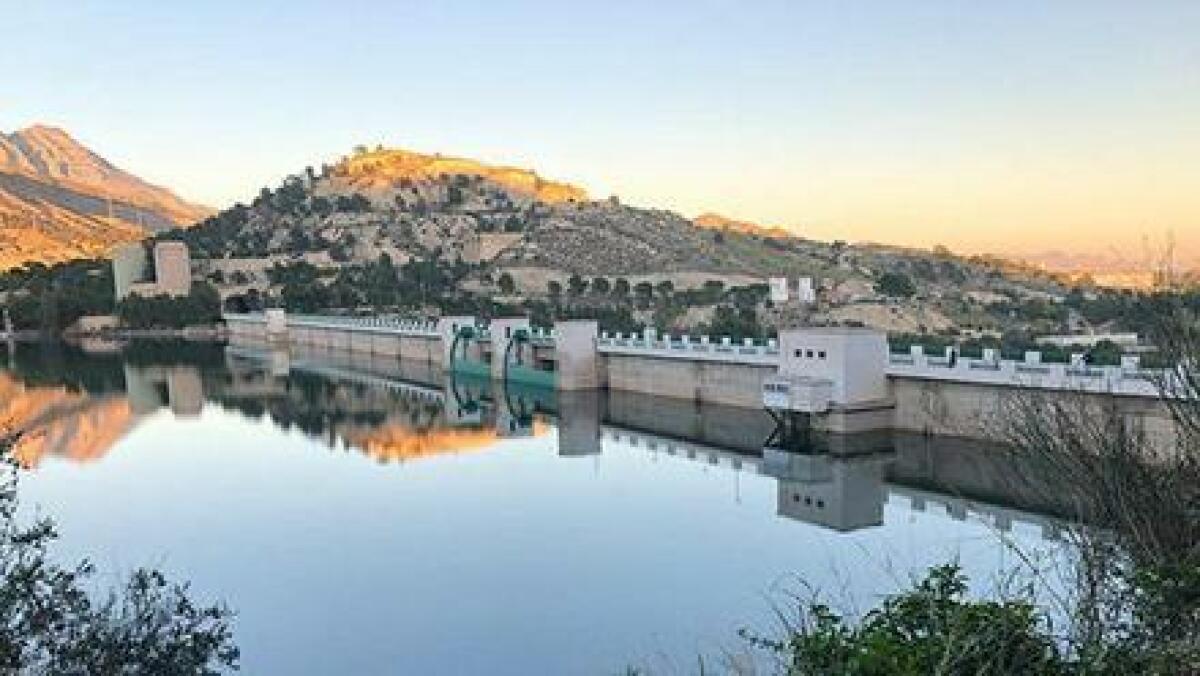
{"points": [[384, 168]]}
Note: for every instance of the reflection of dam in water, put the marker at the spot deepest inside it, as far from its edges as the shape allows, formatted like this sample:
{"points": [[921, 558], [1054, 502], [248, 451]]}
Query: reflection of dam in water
{"points": [[840, 481], [397, 411]]}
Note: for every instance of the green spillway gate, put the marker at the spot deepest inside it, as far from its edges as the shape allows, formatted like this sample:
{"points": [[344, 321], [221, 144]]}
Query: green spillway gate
{"points": [[518, 359], [460, 362]]}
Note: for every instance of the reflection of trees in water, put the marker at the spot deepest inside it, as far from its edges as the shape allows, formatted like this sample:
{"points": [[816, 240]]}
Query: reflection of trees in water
{"points": [[56, 363], [384, 423]]}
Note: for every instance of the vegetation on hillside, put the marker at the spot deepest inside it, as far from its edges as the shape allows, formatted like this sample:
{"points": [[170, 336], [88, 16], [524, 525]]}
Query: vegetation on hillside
{"points": [[49, 299], [385, 202]]}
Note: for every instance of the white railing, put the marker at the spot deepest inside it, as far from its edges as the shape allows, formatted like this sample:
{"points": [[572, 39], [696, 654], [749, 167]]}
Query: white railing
{"points": [[542, 337], [687, 347], [378, 324], [1129, 378]]}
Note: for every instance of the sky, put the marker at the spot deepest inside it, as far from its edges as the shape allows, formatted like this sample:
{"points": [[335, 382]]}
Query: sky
{"points": [[1006, 127]]}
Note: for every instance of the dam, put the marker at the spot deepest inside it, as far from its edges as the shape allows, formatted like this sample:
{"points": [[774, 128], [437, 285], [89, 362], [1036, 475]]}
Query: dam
{"points": [[833, 379]]}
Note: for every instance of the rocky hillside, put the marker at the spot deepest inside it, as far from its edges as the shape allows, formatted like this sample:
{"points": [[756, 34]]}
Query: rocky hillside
{"points": [[410, 205], [61, 201], [511, 233]]}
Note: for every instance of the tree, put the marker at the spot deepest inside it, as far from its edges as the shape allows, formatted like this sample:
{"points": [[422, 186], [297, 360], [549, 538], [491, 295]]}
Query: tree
{"points": [[202, 306], [712, 291], [506, 284], [1135, 495], [665, 288], [576, 285], [896, 285], [321, 206], [601, 286], [1105, 353], [554, 288], [621, 287], [735, 322]]}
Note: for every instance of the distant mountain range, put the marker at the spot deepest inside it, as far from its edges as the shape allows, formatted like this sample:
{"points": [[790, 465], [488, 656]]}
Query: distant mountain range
{"points": [[60, 201]]}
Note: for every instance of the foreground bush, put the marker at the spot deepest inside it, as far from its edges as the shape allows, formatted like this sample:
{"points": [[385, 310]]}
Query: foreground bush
{"points": [[51, 623], [931, 629]]}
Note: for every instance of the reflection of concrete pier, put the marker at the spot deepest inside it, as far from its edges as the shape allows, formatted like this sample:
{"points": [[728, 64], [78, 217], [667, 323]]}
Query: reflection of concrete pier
{"points": [[579, 416]]}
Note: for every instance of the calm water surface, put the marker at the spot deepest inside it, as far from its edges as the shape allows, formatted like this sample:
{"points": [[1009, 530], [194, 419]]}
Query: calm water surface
{"points": [[368, 517]]}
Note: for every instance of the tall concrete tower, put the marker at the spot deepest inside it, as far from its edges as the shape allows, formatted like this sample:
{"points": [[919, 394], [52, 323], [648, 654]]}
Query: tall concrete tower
{"points": [[129, 266], [172, 268]]}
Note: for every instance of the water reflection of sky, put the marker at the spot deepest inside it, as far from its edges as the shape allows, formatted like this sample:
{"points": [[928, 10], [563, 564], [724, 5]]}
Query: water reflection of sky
{"points": [[508, 559]]}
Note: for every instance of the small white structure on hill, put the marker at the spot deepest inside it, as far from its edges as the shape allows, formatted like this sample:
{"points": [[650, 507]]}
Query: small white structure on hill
{"points": [[806, 292], [779, 289], [781, 292]]}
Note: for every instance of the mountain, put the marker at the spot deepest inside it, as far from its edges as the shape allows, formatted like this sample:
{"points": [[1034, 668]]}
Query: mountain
{"points": [[60, 201], [414, 206]]}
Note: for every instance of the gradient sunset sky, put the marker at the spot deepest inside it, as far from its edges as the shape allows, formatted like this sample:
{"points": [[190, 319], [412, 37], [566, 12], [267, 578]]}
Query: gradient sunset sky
{"points": [[1006, 126]]}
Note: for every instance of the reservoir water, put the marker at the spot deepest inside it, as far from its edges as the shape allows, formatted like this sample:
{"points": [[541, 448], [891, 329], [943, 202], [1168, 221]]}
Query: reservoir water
{"points": [[364, 516]]}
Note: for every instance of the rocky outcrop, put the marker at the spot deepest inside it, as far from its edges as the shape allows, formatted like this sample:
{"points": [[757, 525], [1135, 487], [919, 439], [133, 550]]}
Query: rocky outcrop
{"points": [[713, 221], [387, 168]]}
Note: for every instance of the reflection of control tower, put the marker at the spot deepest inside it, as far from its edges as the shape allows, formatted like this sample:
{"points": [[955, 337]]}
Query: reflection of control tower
{"points": [[149, 388], [579, 423], [837, 492]]}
